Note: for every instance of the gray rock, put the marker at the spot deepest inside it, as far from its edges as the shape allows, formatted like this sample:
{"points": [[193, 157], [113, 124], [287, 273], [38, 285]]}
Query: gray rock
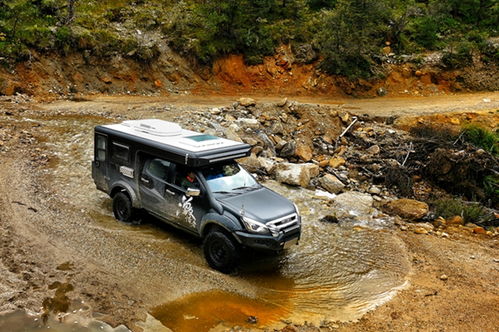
{"points": [[248, 123], [331, 183], [305, 53], [288, 150], [352, 205]]}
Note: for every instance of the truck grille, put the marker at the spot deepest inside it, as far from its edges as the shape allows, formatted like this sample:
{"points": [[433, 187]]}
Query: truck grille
{"points": [[287, 224]]}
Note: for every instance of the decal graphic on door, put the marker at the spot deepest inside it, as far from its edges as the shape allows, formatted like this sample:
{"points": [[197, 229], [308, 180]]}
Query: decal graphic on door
{"points": [[187, 211]]}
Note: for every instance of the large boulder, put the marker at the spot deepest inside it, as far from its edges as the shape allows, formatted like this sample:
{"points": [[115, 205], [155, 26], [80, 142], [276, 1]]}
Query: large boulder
{"points": [[331, 183], [296, 174], [352, 205], [407, 208]]}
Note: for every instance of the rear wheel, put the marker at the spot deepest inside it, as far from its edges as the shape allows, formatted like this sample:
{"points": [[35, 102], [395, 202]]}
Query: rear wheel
{"points": [[220, 251], [122, 207]]}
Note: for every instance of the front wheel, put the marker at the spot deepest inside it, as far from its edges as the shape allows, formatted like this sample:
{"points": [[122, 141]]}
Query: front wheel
{"points": [[220, 252], [122, 207]]}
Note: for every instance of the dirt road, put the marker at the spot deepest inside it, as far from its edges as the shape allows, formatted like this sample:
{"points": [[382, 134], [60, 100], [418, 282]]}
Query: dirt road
{"points": [[62, 251]]}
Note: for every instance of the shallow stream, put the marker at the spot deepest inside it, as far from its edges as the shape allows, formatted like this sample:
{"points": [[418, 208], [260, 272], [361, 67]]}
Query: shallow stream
{"points": [[336, 273]]}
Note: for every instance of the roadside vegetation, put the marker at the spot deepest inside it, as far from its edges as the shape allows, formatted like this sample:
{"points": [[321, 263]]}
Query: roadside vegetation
{"points": [[351, 37]]}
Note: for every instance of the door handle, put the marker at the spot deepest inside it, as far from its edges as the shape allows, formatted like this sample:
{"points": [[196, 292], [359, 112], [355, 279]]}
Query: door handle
{"points": [[169, 192], [144, 180]]}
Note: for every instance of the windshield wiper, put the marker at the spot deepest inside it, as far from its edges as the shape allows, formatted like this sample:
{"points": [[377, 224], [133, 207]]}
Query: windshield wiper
{"points": [[222, 192], [245, 187]]}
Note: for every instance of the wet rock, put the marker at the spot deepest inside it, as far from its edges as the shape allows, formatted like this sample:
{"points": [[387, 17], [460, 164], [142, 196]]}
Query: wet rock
{"points": [[407, 208], [331, 183], [246, 102], [336, 162], [295, 174], [288, 149], [353, 204], [303, 151]]}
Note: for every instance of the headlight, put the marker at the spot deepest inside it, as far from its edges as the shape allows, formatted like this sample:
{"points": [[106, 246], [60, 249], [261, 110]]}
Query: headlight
{"points": [[254, 226]]}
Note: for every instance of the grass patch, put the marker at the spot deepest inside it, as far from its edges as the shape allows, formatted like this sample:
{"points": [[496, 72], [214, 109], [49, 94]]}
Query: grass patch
{"points": [[482, 138], [470, 212]]}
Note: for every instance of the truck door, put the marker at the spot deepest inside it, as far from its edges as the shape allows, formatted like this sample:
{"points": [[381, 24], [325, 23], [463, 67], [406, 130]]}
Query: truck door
{"points": [[188, 210], [154, 194], [99, 164]]}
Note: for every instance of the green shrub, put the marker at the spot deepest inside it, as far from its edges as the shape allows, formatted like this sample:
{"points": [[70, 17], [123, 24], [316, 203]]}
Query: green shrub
{"points": [[491, 188], [470, 212], [36, 37], [482, 138], [459, 57]]}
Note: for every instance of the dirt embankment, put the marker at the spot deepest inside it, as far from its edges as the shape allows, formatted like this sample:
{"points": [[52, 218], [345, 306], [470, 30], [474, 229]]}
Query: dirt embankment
{"points": [[50, 76]]}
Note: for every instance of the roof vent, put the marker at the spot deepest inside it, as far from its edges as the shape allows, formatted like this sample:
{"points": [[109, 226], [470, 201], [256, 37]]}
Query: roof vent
{"points": [[154, 127]]}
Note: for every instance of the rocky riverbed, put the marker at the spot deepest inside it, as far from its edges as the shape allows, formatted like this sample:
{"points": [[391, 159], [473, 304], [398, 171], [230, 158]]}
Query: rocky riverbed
{"points": [[362, 184]]}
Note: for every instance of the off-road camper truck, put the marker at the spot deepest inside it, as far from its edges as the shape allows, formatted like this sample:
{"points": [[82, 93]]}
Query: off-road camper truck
{"points": [[143, 164]]}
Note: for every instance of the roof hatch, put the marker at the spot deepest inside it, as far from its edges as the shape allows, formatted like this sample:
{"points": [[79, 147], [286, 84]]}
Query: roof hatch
{"points": [[154, 127]]}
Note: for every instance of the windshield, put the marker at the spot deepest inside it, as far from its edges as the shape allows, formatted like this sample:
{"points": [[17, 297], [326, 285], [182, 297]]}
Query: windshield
{"points": [[228, 177]]}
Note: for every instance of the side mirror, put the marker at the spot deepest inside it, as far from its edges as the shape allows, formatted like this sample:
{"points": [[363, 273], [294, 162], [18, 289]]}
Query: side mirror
{"points": [[192, 192]]}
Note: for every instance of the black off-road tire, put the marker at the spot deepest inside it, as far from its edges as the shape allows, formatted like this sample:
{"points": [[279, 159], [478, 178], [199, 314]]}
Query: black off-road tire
{"points": [[221, 252], [122, 208]]}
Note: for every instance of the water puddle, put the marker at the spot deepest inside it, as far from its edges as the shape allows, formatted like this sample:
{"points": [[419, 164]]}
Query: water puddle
{"points": [[336, 273], [205, 310]]}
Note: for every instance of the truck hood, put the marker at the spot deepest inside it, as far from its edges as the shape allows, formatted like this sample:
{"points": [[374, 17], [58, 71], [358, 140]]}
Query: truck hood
{"points": [[262, 204]]}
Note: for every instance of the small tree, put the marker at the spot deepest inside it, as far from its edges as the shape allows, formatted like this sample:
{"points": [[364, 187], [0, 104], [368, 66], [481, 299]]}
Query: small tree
{"points": [[353, 32]]}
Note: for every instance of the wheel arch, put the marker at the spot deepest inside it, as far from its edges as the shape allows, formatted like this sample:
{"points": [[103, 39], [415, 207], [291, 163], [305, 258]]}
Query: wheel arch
{"points": [[122, 186]]}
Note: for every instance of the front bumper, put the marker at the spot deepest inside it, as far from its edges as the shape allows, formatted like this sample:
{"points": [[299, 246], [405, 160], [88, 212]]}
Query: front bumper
{"points": [[267, 242]]}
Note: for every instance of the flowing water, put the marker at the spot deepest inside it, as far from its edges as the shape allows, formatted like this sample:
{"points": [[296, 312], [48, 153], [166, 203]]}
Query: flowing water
{"points": [[336, 273]]}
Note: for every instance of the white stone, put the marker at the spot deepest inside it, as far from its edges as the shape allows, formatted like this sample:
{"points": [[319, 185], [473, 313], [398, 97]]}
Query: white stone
{"points": [[295, 174]]}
